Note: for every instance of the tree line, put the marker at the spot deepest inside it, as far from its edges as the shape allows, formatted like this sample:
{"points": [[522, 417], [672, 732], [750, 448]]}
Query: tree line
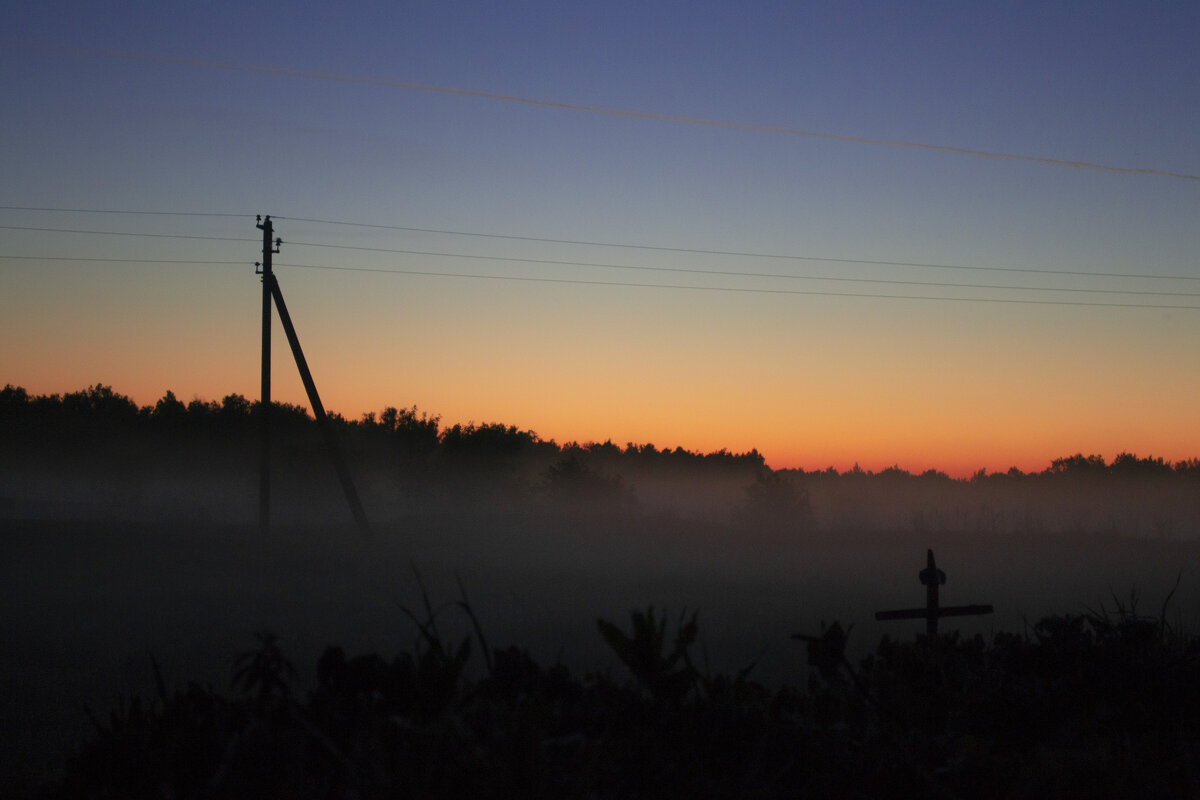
{"points": [[98, 412]]}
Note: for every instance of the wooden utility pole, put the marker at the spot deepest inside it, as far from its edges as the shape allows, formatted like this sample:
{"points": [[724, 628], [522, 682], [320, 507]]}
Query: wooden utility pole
{"points": [[270, 246]]}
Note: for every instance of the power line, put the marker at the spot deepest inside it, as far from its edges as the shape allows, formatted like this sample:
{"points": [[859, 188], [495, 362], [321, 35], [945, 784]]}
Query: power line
{"points": [[656, 116], [732, 253], [243, 262], [746, 290], [127, 233], [655, 248], [782, 276], [729, 273], [575, 242], [121, 211]]}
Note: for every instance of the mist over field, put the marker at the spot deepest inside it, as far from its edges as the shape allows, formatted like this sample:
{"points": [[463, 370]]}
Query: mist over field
{"points": [[129, 533]]}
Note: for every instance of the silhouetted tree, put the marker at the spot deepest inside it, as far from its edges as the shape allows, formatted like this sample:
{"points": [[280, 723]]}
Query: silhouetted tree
{"points": [[169, 411], [1189, 466], [1127, 464], [778, 500], [570, 480], [199, 410], [414, 435], [490, 442], [235, 406], [1078, 465], [894, 473], [14, 400], [101, 405]]}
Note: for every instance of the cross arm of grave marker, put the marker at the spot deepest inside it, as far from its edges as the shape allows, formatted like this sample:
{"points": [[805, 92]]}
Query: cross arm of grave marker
{"points": [[933, 578]]}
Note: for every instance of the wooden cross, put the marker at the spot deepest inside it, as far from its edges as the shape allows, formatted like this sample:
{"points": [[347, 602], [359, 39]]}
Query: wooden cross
{"points": [[933, 577]]}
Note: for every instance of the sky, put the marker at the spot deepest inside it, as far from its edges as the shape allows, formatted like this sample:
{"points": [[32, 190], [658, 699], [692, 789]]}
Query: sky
{"points": [[637, 222]]}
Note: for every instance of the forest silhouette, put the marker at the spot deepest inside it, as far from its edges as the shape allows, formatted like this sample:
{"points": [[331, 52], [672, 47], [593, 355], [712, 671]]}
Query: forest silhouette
{"points": [[82, 418], [411, 462]]}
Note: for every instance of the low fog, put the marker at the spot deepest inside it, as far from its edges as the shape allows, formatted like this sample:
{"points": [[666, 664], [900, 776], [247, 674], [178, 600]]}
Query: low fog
{"points": [[122, 547]]}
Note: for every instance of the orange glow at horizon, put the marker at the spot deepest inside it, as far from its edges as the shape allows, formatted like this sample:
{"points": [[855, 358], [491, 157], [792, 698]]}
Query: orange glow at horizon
{"points": [[841, 442], [961, 390]]}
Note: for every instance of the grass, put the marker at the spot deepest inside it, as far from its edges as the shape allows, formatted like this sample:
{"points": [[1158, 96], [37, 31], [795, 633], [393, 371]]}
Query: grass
{"points": [[1100, 704]]}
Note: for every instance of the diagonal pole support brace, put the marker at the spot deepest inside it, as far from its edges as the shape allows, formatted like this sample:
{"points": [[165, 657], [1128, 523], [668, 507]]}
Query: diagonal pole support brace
{"points": [[335, 453]]}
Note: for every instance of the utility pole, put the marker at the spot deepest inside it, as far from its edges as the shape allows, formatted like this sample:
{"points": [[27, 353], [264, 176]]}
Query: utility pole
{"points": [[271, 292], [269, 247]]}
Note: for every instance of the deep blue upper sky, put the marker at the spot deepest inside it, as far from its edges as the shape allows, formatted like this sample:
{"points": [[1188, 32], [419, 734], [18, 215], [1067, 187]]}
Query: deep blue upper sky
{"points": [[134, 106]]}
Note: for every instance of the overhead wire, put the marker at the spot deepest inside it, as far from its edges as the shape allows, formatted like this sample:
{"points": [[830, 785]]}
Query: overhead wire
{"points": [[630, 284], [779, 275], [644, 268], [657, 116], [730, 253], [741, 289], [136, 234], [243, 262], [576, 242], [123, 211]]}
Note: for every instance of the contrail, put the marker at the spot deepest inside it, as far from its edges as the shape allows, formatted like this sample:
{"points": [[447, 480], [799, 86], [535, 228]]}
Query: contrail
{"points": [[367, 80]]}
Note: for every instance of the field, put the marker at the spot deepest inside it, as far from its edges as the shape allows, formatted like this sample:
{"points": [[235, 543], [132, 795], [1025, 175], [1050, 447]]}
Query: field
{"points": [[86, 604]]}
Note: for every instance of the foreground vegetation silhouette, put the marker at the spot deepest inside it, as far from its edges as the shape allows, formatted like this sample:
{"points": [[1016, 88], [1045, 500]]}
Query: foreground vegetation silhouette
{"points": [[1102, 704]]}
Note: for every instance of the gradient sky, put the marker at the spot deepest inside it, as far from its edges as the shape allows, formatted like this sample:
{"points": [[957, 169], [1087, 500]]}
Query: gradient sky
{"points": [[310, 111]]}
